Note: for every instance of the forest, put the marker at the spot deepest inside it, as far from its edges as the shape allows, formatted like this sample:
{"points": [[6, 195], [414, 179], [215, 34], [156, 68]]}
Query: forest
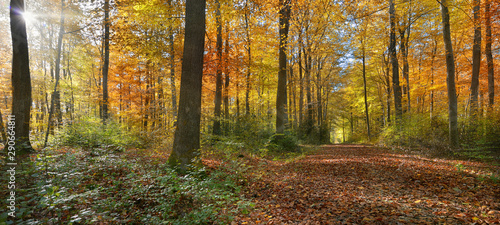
{"points": [[250, 112]]}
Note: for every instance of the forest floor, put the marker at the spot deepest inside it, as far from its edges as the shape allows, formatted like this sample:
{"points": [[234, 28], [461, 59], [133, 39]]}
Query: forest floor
{"points": [[356, 184]]}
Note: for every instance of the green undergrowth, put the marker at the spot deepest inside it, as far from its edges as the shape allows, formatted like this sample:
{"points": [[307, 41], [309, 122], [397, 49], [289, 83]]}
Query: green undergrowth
{"points": [[478, 139], [283, 147], [249, 135], [122, 188]]}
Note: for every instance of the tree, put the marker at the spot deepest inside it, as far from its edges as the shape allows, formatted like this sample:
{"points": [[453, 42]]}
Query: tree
{"points": [[394, 61], [187, 133], [476, 61], [284, 23], [363, 52], [105, 66], [450, 78], [56, 94], [489, 56], [21, 78], [218, 85]]}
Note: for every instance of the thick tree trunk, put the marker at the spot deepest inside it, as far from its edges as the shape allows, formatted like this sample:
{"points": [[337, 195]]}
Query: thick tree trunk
{"points": [[450, 78], [218, 75], [21, 79], [105, 68], [284, 23], [187, 134], [489, 56], [476, 62], [394, 62]]}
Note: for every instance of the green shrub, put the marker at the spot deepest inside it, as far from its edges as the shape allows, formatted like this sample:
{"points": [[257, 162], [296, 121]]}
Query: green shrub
{"points": [[252, 132], [281, 143]]}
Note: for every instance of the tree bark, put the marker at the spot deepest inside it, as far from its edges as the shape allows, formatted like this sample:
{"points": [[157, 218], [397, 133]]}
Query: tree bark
{"points": [[21, 79], [187, 134], [394, 62], [284, 23], [105, 68], [476, 61], [450, 78]]}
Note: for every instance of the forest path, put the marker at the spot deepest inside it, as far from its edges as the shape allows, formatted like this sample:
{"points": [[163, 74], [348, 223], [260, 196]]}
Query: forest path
{"points": [[356, 184]]}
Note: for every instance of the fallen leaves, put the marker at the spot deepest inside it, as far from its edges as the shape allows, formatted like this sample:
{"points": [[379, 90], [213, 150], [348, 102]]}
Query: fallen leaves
{"points": [[365, 185]]}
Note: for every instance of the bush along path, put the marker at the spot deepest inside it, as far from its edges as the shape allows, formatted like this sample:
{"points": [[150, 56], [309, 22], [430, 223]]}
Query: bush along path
{"points": [[353, 184]]}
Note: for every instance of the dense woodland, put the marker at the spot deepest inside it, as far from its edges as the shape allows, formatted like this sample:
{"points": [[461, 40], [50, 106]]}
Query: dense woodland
{"points": [[194, 105]]}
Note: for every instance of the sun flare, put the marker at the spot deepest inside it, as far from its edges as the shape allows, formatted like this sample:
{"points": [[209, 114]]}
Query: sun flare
{"points": [[28, 17]]}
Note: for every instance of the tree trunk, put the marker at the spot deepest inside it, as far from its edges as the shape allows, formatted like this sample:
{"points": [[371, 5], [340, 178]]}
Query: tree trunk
{"points": [[307, 76], [187, 133], [105, 68], [226, 82], [476, 62], [406, 69], [365, 95], [301, 88], [489, 56], [249, 64], [394, 62], [388, 88], [434, 51], [450, 78], [172, 76], [284, 23], [218, 83], [21, 79]]}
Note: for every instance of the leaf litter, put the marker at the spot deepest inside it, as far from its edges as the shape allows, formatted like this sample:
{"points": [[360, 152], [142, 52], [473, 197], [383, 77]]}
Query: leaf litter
{"points": [[354, 184]]}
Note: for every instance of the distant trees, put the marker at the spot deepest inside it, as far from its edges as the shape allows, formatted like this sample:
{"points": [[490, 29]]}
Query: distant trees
{"points": [[187, 133], [21, 78], [318, 66]]}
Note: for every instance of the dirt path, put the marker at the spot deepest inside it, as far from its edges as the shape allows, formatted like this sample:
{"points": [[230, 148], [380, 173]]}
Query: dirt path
{"points": [[354, 184]]}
